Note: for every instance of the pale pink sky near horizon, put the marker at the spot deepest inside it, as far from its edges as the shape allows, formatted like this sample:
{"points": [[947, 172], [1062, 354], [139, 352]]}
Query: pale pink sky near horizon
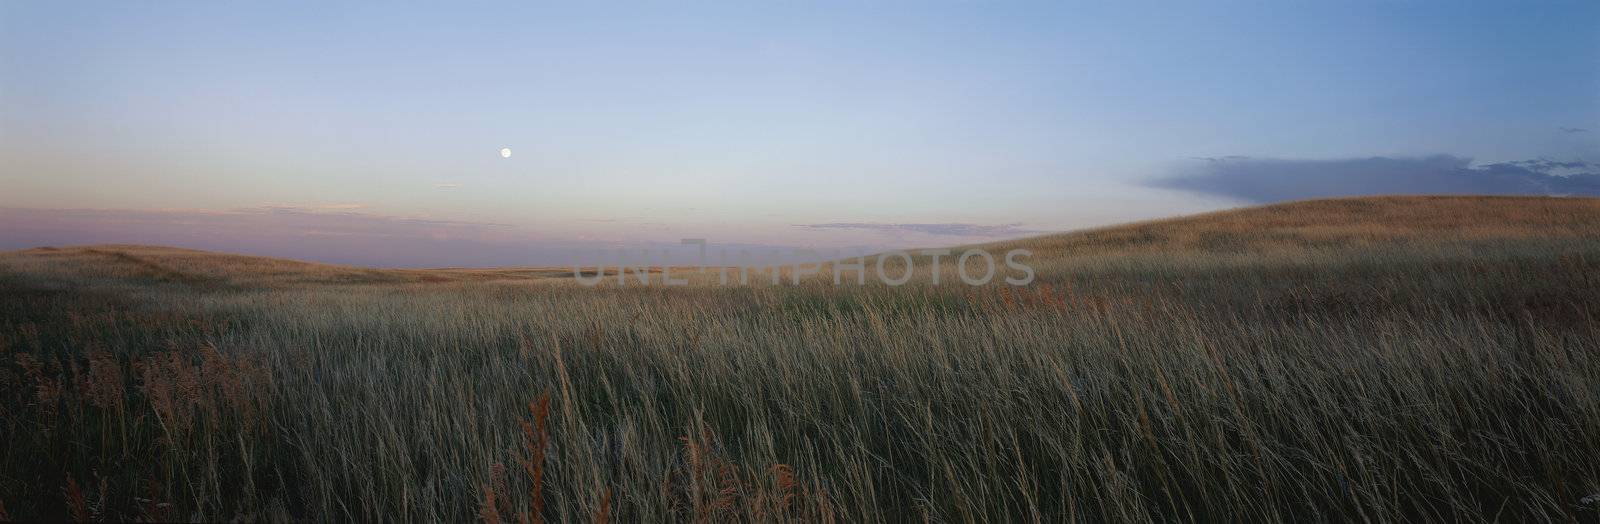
{"points": [[351, 233]]}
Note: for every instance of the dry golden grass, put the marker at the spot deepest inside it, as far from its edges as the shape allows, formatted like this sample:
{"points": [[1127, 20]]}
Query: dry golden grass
{"points": [[1356, 359], [1343, 223]]}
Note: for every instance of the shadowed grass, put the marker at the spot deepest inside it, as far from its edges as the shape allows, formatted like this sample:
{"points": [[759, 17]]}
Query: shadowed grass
{"points": [[1358, 359]]}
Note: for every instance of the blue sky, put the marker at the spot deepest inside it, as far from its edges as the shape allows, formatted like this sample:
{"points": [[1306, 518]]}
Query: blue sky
{"points": [[747, 122]]}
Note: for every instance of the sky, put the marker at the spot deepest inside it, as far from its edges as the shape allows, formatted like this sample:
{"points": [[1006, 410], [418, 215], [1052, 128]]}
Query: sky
{"points": [[370, 132]]}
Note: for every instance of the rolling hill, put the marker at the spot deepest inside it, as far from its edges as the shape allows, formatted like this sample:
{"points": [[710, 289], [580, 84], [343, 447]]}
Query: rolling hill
{"points": [[1371, 359], [1331, 226]]}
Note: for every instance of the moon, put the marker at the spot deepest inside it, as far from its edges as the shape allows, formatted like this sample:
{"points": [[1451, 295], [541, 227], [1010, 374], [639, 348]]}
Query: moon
{"points": [[505, 152]]}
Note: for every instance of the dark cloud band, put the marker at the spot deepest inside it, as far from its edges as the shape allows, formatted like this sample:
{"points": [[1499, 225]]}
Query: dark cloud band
{"points": [[1271, 180]]}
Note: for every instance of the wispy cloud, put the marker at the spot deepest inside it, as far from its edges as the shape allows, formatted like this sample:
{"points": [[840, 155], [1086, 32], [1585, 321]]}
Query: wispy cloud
{"points": [[334, 235], [942, 229], [352, 221], [1573, 130], [351, 206], [361, 237], [447, 186], [1271, 179]]}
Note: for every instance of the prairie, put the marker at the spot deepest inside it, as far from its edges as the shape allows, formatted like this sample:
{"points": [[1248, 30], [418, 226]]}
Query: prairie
{"points": [[1376, 359]]}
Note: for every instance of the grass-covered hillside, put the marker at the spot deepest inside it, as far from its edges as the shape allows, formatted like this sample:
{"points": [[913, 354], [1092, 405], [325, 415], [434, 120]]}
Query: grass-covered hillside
{"points": [[1426, 358]]}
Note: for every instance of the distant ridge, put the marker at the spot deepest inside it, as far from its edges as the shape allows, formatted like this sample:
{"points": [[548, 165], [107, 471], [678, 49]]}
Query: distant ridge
{"points": [[1336, 223], [1327, 224]]}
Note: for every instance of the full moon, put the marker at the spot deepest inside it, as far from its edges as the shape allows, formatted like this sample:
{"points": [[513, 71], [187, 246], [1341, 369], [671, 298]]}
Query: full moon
{"points": [[505, 152]]}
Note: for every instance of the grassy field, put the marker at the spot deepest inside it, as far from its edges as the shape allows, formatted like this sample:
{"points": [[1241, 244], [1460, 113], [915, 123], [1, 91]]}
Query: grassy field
{"points": [[1369, 359]]}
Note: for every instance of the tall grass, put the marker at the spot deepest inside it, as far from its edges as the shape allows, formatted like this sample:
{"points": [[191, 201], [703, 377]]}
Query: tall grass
{"points": [[1452, 380]]}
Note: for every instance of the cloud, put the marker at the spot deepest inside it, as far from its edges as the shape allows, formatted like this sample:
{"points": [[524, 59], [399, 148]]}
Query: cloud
{"points": [[343, 221], [316, 207], [1573, 130], [447, 186], [353, 237], [1270, 180], [944, 229], [283, 231]]}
